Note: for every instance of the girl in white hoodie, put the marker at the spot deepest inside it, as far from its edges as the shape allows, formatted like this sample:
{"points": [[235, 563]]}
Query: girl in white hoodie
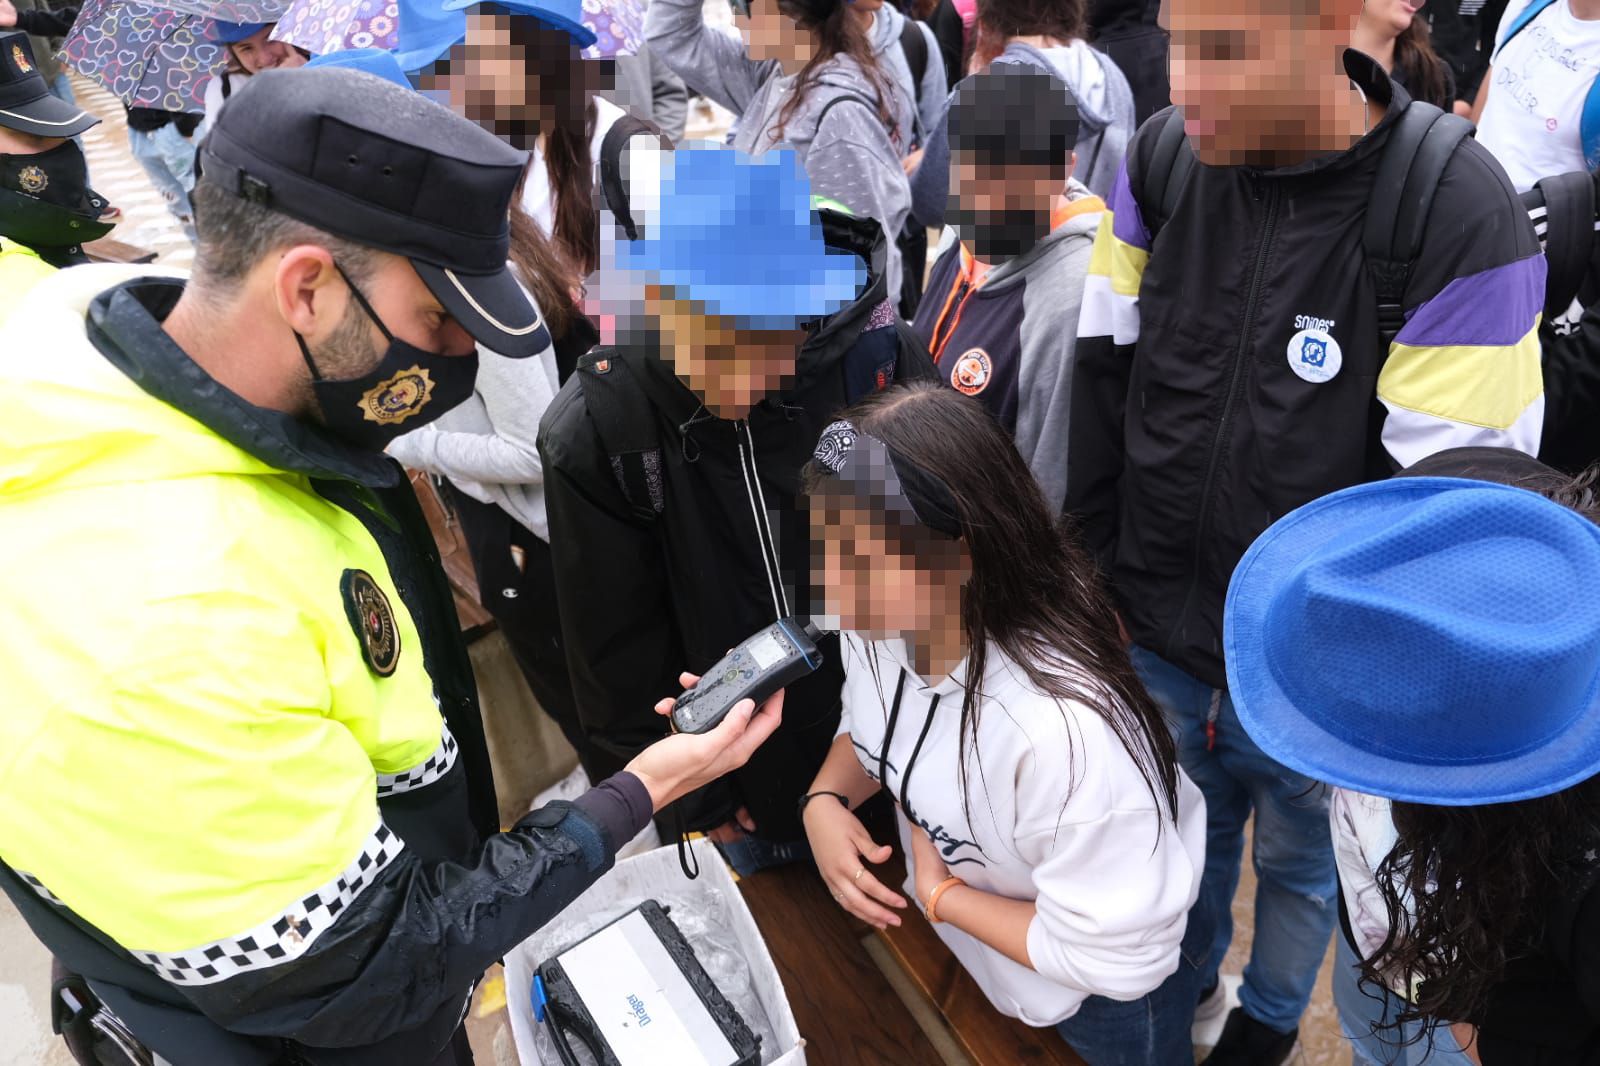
{"points": [[1049, 832]]}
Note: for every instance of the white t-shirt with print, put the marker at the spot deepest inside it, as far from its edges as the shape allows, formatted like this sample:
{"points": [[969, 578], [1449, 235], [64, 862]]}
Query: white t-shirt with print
{"points": [[1539, 82]]}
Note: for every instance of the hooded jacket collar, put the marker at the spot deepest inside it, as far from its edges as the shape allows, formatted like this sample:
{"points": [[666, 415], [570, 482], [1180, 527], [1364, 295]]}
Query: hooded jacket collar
{"points": [[124, 324], [1375, 84]]}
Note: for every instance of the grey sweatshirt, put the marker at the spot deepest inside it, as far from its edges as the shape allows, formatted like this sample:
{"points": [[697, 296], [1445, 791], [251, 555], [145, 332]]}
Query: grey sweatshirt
{"points": [[926, 107], [487, 446], [847, 153], [1025, 361], [649, 90], [1105, 115]]}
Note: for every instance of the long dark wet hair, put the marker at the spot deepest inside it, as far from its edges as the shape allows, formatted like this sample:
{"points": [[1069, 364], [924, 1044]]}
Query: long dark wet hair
{"points": [[1424, 70], [837, 34], [1467, 890], [1033, 591]]}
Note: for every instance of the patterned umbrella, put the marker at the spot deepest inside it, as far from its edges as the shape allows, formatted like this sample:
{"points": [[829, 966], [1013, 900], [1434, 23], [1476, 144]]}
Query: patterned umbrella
{"points": [[323, 26], [147, 56], [618, 27], [228, 10]]}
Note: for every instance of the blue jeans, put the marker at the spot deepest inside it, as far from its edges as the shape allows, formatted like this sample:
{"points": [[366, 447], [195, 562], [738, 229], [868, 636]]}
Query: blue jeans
{"points": [[1152, 1030], [1366, 1014], [168, 158], [1293, 850], [751, 854]]}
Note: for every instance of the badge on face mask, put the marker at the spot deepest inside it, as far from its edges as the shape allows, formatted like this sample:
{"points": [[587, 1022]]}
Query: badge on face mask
{"points": [[391, 402]]}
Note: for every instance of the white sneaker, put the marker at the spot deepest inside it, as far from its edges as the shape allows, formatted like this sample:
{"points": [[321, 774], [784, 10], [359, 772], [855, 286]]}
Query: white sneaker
{"points": [[1212, 1012]]}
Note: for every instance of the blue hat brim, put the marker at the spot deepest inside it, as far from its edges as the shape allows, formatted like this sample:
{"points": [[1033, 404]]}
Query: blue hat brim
{"points": [[234, 32], [810, 289], [581, 35], [1297, 739]]}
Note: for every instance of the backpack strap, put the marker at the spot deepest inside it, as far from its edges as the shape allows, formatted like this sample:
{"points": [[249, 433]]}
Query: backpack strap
{"points": [[844, 98], [1520, 23], [1562, 209], [1589, 126], [1166, 174], [1414, 159], [612, 187], [626, 427], [915, 47]]}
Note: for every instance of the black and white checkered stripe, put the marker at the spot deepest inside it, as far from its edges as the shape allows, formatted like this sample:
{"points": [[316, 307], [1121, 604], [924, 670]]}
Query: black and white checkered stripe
{"points": [[287, 936], [426, 773], [38, 886]]}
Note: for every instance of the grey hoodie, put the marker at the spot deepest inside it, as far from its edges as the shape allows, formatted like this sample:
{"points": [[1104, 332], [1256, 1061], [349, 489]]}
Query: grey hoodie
{"points": [[1105, 116], [847, 153], [923, 109]]}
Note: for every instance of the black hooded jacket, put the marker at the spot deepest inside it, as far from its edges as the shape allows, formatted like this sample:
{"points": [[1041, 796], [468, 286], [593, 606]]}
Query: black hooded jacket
{"points": [[643, 599]]}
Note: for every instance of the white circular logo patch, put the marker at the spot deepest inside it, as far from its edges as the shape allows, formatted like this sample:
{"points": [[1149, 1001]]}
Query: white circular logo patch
{"points": [[1315, 356]]}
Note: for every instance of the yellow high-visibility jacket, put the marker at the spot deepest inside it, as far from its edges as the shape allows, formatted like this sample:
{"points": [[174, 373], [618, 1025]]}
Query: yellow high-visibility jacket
{"points": [[20, 269], [225, 643]]}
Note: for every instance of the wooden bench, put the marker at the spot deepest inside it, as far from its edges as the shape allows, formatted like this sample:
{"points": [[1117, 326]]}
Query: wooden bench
{"points": [[106, 250], [847, 1008]]}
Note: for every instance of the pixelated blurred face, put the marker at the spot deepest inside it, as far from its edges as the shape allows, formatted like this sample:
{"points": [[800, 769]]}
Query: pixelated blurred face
{"points": [[1392, 16], [256, 53], [1246, 73], [770, 34], [730, 368], [874, 581], [512, 82], [1000, 212]]}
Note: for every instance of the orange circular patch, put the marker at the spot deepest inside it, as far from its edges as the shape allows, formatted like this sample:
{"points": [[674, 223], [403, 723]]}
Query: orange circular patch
{"points": [[972, 372]]}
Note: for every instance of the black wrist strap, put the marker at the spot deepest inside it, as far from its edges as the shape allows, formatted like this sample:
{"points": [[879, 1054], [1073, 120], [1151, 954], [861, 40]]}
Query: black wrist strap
{"points": [[800, 808]]}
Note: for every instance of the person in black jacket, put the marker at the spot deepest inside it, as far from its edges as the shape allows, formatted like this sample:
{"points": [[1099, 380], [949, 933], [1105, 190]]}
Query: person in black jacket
{"points": [[1129, 32], [1233, 368], [672, 465]]}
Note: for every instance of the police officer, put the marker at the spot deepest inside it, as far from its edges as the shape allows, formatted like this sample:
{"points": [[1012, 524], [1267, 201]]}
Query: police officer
{"points": [[244, 788], [47, 210]]}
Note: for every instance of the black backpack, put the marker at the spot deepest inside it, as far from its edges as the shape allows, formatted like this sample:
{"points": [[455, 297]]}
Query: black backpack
{"points": [[1414, 158], [612, 187]]}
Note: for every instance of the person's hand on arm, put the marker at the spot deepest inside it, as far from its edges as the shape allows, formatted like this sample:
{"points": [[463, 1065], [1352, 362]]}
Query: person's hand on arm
{"points": [[998, 921], [839, 842], [8, 15]]}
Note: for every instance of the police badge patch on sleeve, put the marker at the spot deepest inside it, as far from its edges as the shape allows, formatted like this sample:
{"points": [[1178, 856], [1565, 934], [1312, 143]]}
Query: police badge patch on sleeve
{"points": [[370, 616]]}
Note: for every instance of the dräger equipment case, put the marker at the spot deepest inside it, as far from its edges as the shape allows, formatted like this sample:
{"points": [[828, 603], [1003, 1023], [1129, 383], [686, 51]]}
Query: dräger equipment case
{"points": [[633, 994]]}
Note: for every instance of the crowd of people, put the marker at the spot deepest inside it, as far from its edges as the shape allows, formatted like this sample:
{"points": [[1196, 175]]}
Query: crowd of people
{"points": [[1170, 445]]}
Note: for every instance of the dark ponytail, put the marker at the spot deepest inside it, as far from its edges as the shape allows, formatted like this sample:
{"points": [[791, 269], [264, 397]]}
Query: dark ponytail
{"points": [[837, 33], [1421, 66]]}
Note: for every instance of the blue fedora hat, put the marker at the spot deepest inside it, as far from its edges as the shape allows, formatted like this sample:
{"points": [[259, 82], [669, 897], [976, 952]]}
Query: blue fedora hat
{"points": [[234, 32], [737, 235], [1431, 640], [374, 61], [565, 15]]}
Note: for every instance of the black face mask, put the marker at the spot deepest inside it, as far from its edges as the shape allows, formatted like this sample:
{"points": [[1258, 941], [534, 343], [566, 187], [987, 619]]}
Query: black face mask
{"points": [[408, 388], [46, 202], [996, 236]]}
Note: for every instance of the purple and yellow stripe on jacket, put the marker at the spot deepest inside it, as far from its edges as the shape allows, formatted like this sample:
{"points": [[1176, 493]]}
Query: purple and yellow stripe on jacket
{"points": [[1116, 268], [1464, 370]]}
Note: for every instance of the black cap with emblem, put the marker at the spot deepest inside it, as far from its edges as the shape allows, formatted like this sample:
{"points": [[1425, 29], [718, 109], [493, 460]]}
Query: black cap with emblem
{"points": [[26, 103], [367, 160]]}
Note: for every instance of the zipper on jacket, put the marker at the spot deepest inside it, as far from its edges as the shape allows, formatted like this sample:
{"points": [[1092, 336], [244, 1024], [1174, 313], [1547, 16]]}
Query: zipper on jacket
{"points": [[758, 511], [1236, 377]]}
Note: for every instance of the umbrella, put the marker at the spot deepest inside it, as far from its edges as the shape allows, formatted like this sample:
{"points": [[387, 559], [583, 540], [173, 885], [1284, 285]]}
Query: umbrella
{"points": [[323, 26], [618, 26], [145, 55], [227, 10]]}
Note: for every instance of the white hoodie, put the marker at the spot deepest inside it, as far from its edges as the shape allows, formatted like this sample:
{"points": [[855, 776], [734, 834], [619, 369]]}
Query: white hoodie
{"points": [[1060, 816]]}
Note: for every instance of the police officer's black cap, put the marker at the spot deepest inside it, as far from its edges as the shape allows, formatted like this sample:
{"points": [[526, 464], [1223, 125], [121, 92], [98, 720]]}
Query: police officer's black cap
{"points": [[367, 160], [26, 103]]}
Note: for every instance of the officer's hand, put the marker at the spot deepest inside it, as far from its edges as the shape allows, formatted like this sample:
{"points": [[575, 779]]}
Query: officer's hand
{"points": [[8, 15], [676, 766]]}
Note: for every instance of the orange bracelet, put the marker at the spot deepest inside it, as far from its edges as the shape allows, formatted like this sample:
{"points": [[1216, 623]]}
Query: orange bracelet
{"points": [[933, 898]]}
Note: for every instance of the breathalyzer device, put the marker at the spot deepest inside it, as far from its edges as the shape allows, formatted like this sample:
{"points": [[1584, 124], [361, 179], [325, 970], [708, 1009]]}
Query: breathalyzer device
{"points": [[778, 655]]}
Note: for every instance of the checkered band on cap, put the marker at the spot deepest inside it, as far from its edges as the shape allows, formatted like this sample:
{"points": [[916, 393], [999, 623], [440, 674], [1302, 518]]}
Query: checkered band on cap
{"points": [[288, 935], [425, 773]]}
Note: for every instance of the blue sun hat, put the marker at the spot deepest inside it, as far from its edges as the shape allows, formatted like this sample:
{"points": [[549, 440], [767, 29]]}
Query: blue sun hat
{"points": [[1426, 639], [565, 15], [737, 235], [373, 61], [234, 32]]}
